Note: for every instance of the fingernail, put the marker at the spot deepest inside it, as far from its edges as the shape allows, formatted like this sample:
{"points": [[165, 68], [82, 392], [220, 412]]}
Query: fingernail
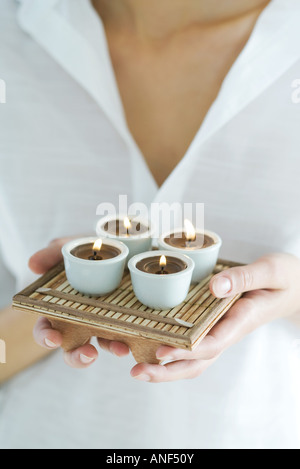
{"points": [[50, 344], [222, 286], [86, 360], [165, 358], [142, 377]]}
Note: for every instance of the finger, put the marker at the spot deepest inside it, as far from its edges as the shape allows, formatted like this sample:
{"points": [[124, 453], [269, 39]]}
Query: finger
{"points": [[44, 260], [266, 272], [179, 370], [82, 357], [248, 313], [117, 348], [45, 335], [206, 350]]}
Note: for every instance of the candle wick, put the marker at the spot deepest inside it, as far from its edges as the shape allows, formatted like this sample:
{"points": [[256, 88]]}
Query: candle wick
{"points": [[189, 240], [96, 257]]}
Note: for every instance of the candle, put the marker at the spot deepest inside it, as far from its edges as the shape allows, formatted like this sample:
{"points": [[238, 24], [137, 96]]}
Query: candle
{"points": [[161, 265], [95, 251], [124, 227], [134, 232], [94, 267], [161, 281], [202, 246], [127, 225], [189, 238]]}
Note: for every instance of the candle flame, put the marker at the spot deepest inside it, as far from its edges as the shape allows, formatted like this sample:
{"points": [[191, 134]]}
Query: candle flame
{"points": [[127, 223], [190, 232], [97, 245], [163, 261]]}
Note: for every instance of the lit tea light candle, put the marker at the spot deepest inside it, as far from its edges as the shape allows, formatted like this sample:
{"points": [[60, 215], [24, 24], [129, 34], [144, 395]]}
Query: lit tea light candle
{"points": [[161, 281], [190, 232], [127, 225], [161, 265], [202, 246], [189, 238], [97, 248], [96, 251], [136, 233], [93, 266]]}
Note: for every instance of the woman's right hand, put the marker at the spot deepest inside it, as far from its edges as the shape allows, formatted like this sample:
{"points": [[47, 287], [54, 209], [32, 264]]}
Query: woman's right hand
{"points": [[48, 337]]}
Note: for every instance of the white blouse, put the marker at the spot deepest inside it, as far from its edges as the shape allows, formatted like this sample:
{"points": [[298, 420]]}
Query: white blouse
{"points": [[65, 147]]}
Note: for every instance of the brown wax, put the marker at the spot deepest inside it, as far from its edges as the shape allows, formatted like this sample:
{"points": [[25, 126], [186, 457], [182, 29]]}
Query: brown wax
{"points": [[151, 265], [117, 228], [86, 251], [180, 241]]}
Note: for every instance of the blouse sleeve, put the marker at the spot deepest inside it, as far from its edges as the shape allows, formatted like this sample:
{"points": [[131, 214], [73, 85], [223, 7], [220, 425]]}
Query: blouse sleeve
{"points": [[7, 284]]}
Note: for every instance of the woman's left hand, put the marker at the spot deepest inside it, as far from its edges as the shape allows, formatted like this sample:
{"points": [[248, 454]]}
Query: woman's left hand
{"points": [[271, 290]]}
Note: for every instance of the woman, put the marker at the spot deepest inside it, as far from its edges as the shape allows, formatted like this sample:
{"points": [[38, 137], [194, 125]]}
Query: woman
{"points": [[160, 101]]}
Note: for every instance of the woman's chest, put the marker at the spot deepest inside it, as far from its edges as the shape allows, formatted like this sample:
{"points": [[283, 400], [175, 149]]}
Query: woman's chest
{"points": [[167, 90]]}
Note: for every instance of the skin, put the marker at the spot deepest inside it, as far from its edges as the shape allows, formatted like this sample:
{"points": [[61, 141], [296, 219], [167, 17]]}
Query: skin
{"points": [[270, 287], [170, 59], [208, 35]]}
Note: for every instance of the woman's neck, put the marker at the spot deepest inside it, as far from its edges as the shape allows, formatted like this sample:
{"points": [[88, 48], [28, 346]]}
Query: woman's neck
{"points": [[158, 19]]}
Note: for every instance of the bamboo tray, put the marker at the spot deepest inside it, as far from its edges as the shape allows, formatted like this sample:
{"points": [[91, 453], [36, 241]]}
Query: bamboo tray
{"points": [[120, 316]]}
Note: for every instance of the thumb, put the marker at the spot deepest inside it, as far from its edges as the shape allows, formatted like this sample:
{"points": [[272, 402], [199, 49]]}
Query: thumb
{"points": [[261, 274], [44, 260]]}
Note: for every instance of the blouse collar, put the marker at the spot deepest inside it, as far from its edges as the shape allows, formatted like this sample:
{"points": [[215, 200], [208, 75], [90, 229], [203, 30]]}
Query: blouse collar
{"points": [[271, 50]]}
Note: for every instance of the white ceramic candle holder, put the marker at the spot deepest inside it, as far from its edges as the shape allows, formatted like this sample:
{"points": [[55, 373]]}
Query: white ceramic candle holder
{"points": [[94, 278], [161, 292], [136, 243], [205, 258]]}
